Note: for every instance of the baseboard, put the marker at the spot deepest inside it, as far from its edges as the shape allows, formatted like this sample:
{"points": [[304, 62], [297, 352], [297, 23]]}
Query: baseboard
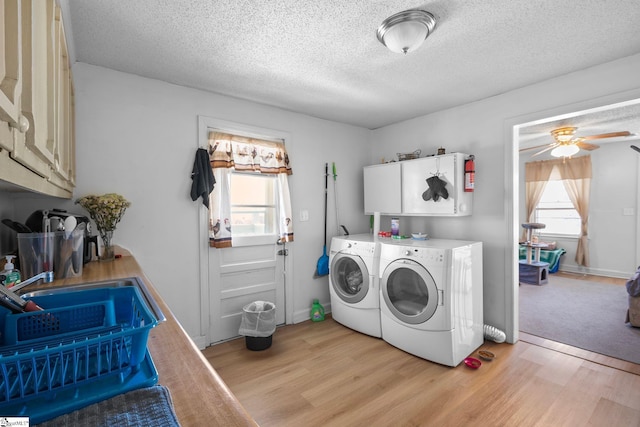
{"points": [[200, 342], [597, 272]]}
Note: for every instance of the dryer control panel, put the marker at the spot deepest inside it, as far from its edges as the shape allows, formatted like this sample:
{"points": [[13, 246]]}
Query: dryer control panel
{"points": [[422, 255]]}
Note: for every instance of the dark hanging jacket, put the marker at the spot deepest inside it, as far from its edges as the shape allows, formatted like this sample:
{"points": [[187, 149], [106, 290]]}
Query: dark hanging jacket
{"points": [[202, 176]]}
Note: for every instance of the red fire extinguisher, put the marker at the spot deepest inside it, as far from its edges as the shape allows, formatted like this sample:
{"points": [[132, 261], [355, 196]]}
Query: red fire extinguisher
{"points": [[469, 174]]}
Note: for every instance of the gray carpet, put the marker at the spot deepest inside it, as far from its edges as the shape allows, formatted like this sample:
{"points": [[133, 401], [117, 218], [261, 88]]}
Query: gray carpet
{"points": [[582, 314]]}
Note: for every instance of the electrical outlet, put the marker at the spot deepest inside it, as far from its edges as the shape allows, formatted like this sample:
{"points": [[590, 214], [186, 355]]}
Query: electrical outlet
{"points": [[304, 215], [628, 212]]}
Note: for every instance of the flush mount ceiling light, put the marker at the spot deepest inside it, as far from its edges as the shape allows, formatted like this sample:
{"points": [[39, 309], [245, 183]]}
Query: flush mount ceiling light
{"points": [[405, 31]]}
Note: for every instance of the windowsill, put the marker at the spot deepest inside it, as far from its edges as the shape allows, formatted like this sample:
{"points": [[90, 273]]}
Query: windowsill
{"points": [[262, 239], [547, 237]]}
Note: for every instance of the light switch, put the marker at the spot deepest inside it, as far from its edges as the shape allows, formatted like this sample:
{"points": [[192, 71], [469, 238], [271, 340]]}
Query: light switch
{"points": [[304, 215]]}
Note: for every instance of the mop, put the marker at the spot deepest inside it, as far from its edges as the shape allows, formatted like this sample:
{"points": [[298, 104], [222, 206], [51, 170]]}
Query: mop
{"points": [[335, 196]]}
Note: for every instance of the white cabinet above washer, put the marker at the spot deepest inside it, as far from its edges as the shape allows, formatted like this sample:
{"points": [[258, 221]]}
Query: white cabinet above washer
{"points": [[382, 187], [428, 186]]}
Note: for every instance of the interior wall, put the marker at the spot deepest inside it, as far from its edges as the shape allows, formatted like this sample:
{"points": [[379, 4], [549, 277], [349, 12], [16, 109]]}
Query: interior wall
{"points": [[483, 129], [138, 137], [8, 240], [612, 215]]}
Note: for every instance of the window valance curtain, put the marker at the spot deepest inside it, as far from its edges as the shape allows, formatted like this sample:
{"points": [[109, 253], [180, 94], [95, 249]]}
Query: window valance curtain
{"points": [[575, 174], [229, 152], [248, 154]]}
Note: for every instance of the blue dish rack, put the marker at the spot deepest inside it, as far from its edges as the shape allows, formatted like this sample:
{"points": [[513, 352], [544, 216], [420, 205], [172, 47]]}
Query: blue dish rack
{"points": [[86, 346]]}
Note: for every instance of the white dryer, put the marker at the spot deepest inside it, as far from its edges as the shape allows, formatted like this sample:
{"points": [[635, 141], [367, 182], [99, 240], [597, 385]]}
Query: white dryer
{"points": [[431, 298], [353, 282]]}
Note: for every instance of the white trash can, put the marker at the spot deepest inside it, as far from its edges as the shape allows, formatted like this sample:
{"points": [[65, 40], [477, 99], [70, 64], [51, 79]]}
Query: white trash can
{"points": [[258, 324]]}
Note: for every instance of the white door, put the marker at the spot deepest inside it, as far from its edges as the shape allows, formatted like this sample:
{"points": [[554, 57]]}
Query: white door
{"points": [[255, 267], [240, 276]]}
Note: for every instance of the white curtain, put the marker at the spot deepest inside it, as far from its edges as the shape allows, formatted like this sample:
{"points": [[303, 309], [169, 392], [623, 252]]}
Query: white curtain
{"points": [[232, 152], [285, 223], [220, 211]]}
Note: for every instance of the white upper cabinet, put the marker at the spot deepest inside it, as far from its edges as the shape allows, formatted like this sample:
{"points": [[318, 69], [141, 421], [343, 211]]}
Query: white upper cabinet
{"points": [[37, 153], [63, 109], [435, 186], [382, 186], [37, 147], [429, 186], [10, 72]]}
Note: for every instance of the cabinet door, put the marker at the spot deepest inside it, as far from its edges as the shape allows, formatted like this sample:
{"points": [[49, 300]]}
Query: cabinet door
{"points": [[10, 71], [382, 184], [415, 174], [64, 164], [31, 41], [37, 152]]}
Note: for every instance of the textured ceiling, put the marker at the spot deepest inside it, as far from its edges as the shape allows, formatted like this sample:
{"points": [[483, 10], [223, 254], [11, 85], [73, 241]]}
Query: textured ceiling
{"points": [[322, 58]]}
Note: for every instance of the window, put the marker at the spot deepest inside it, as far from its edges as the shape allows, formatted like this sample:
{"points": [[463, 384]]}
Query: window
{"points": [[253, 204], [556, 211], [250, 202]]}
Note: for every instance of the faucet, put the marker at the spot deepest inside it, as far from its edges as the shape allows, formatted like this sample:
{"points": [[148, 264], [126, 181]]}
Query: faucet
{"points": [[46, 276]]}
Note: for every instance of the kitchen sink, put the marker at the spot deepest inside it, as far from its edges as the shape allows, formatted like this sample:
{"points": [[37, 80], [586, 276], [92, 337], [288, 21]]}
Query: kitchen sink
{"points": [[116, 283]]}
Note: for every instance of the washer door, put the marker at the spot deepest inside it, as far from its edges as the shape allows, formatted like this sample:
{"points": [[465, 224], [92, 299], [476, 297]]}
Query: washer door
{"points": [[409, 291], [349, 277]]}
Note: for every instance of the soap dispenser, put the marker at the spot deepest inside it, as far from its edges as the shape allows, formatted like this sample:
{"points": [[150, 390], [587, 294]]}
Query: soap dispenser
{"points": [[9, 277], [317, 311]]}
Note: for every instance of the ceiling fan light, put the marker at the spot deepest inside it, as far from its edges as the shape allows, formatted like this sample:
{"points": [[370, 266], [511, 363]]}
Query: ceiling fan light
{"points": [[565, 150], [564, 134], [406, 31]]}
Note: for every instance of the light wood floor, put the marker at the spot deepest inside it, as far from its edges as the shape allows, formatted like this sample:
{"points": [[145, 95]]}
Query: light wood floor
{"points": [[324, 374]]}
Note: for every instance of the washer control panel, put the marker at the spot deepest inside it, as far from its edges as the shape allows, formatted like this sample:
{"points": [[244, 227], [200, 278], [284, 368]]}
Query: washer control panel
{"points": [[358, 248]]}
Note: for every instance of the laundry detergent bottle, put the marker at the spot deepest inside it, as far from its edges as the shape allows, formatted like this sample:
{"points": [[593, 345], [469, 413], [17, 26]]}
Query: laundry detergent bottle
{"points": [[317, 311], [9, 277]]}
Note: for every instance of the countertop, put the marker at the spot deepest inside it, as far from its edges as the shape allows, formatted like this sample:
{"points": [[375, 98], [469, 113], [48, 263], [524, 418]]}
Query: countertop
{"points": [[199, 395]]}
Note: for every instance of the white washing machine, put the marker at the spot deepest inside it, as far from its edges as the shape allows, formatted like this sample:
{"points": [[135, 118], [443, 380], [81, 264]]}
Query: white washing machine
{"points": [[353, 282], [431, 298]]}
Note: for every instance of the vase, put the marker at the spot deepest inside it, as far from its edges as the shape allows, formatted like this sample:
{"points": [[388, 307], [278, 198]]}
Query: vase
{"points": [[108, 253]]}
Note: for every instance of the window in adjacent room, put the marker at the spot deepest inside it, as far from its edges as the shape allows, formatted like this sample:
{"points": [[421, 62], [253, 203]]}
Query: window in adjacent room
{"points": [[556, 211]]}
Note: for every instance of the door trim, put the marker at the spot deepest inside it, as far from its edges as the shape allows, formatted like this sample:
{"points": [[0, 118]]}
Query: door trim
{"points": [[511, 206]]}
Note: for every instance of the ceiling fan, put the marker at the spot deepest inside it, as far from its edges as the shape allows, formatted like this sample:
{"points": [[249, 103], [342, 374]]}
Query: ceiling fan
{"points": [[566, 144]]}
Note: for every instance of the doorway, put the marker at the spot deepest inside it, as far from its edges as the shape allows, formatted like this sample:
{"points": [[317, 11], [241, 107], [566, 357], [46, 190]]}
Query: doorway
{"points": [[605, 112]]}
